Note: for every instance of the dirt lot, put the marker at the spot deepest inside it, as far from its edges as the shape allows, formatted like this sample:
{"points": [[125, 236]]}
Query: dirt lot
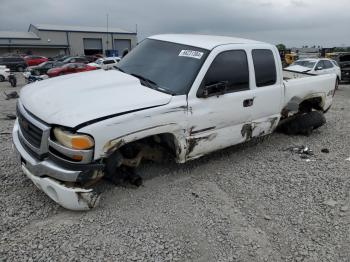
{"points": [[253, 202]]}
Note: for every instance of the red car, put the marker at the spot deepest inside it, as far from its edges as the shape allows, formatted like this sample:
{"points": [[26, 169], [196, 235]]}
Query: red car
{"points": [[33, 60], [69, 69]]}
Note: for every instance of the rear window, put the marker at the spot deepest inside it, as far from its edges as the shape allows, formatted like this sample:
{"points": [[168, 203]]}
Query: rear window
{"points": [[265, 67], [327, 64], [109, 62]]}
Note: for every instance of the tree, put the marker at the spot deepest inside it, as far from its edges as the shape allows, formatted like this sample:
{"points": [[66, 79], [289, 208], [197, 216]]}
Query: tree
{"points": [[281, 47]]}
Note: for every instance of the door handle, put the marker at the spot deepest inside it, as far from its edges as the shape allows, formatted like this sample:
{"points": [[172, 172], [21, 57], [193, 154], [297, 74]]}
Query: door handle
{"points": [[248, 102]]}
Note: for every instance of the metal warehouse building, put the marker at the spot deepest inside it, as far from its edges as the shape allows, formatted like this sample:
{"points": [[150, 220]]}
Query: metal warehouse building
{"points": [[51, 40]]}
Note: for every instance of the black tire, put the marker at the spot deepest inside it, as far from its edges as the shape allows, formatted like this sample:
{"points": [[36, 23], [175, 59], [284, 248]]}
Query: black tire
{"points": [[337, 83], [13, 81], [302, 123], [336, 86], [2, 78]]}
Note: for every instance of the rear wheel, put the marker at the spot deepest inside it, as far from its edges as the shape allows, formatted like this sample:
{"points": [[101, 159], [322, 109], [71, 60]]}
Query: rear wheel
{"points": [[302, 123]]}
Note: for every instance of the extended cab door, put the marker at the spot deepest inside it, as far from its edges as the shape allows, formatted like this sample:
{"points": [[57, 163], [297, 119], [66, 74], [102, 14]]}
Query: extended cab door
{"points": [[220, 102], [267, 84]]}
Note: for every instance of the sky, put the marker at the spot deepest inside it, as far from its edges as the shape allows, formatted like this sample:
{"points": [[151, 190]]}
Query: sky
{"points": [[292, 22]]}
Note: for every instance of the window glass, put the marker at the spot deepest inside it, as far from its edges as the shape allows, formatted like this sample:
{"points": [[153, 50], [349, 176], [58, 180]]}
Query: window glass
{"points": [[265, 67], [305, 63], [319, 65], [108, 62], [173, 67], [230, 67], [327, 64], [335, 63]]}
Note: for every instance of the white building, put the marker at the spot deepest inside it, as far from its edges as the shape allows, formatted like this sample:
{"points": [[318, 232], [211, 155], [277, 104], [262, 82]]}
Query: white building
{"points": [[51, 40]]}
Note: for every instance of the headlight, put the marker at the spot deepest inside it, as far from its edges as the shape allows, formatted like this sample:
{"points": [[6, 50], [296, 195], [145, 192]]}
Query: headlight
{"points": [[71, 140]]}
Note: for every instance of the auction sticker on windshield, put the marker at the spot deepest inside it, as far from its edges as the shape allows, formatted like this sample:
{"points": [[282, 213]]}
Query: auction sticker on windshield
{"points": [[191, 53]]}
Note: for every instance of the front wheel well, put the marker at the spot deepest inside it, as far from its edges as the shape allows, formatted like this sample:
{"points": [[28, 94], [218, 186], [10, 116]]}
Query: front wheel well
{"points": [[159, 148]]}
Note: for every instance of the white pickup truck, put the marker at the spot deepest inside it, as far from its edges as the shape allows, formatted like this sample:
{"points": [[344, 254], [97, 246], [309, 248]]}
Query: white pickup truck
{"points": [[174, 95]]}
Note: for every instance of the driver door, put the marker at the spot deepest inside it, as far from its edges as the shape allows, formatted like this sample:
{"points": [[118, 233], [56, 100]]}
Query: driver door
{"points": [[220, 111]]}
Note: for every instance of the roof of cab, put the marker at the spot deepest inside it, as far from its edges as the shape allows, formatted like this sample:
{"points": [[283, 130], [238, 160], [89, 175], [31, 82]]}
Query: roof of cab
{"points": [[203, 41]]}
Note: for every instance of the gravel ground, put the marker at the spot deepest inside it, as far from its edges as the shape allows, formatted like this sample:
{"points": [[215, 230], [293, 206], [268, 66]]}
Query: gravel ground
{"points": [[252, 202]]}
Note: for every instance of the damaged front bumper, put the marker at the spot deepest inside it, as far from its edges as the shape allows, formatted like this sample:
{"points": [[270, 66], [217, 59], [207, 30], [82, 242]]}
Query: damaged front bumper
{"points": [[47, 176], [69, 197]]}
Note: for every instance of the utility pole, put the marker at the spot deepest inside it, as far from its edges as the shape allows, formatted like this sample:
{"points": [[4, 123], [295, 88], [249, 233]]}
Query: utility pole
{"points": [[107, 29]]}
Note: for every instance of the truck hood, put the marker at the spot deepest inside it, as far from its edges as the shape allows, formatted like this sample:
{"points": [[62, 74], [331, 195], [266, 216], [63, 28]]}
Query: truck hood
{"points": [[74, 99], [298, 68]]}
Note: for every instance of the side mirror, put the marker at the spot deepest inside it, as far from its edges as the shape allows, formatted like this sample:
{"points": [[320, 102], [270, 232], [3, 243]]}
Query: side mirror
{"points": [[213, 89], [319, 68]]}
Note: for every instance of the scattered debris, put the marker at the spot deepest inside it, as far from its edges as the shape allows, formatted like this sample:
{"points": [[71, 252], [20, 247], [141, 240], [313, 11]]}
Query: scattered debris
{"points": [[304, 152], [325, 150], [310, 160], [266, 217], [195, 194], [344, 208], [331, 203], [11, 95], [11, 116]]}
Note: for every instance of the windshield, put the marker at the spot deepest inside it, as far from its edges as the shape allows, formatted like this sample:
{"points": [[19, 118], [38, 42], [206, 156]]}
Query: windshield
{"points": [[305, 63], [99, 61], [171, 67]]}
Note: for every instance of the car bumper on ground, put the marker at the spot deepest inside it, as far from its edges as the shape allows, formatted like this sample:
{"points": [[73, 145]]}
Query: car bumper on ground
{"points": [[43, 174]]}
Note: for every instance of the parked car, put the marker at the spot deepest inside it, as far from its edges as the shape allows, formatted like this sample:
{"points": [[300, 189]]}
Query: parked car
{"points": [[69, 69], [4, 73], [343, 60], [42, 68], [58, 58], [33, 60], [14, 63], [92, 58], [316, 66], [75, 59], [106, 63], [181, 96]]}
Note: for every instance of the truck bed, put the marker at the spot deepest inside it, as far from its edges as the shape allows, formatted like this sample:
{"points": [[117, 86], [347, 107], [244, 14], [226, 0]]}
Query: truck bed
{"points": [[302, 86]]}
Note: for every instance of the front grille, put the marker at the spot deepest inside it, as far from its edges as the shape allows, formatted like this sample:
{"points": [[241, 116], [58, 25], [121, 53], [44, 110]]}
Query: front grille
{"points": [[31, 133]]}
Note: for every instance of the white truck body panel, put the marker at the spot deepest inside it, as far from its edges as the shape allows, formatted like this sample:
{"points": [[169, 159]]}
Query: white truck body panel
{"points": [[88, 96], [114, 108], [318, 86]]}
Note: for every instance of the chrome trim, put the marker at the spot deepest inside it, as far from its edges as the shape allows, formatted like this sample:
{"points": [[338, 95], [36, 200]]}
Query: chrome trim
{"points": [[86, 154], [44, 148], [42, 168]]}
